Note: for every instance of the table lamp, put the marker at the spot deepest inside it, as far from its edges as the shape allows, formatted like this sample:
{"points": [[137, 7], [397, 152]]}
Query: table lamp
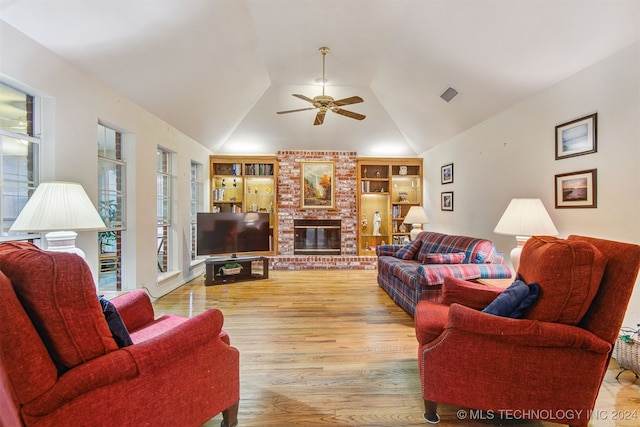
{"points": [[524, 218], [58, 208], [416, 217]]}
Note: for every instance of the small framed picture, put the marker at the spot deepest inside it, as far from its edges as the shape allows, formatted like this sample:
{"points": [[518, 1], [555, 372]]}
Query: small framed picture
{"points": [[446, 174], [446, 201], [576, 138], [576, 189]]}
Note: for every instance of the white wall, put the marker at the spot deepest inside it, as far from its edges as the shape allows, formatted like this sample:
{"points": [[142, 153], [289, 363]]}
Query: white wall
{"points": [[513, 155], [69, 152]]}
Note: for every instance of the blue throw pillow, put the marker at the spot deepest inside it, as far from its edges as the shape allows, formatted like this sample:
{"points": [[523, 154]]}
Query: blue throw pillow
{"points": [[116, 325], [514, 300]]}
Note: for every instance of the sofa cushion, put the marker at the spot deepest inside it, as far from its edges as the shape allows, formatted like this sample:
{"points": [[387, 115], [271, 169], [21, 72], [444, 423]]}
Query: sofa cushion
{"points": [[409, 251], [434, 274], [57, 291], [22, 352], [454, 258], [514, 300], [430, 244], [405, 271], [569, 274]]}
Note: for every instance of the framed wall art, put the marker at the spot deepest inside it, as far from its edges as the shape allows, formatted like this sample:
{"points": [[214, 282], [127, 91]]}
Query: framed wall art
{"points": [[446, 174], [576, 189], [446, 201], [576, 138], [318, 185]]}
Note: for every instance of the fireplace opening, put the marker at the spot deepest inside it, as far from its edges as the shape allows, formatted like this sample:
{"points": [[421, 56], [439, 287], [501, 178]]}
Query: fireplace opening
{"points": [[317, 237]]}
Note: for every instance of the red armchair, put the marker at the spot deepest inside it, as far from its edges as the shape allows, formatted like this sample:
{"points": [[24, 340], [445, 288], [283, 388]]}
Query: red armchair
{"points": [[60, 364], [548, 365]]}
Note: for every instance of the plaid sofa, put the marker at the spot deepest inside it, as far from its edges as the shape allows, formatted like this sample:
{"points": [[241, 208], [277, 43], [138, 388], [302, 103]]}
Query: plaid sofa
{"points": [[413, 272]]}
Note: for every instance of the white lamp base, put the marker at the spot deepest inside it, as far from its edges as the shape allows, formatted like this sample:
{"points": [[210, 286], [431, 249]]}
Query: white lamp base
{"points": [[517, 251], [415, 230], [63, 241]]}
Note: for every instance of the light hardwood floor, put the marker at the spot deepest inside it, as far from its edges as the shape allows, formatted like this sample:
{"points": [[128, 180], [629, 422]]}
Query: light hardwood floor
{"points": [[330, 348]]}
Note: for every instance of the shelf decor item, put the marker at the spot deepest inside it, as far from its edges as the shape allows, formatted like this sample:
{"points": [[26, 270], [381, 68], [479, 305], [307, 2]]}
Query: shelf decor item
{"points": [[317, 186], [230, 269], [377, 222], [577, 137]]}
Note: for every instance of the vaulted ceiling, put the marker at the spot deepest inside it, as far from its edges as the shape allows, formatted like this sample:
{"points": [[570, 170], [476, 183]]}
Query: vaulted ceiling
{"points": [[218, 70]]}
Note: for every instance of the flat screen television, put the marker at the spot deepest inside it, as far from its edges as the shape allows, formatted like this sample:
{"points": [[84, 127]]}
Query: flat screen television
{"points": [[231, 233]]}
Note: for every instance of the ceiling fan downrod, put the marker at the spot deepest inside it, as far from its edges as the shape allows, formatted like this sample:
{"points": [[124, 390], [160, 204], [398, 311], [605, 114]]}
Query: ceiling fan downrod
{"points": [[323, 50]]}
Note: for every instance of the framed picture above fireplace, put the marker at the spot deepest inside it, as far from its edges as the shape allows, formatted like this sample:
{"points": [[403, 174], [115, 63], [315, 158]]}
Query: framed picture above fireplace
{"points": [[317, 188]]}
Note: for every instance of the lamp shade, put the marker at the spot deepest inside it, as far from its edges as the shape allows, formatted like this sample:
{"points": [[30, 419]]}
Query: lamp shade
{"points": [[416, 215], [526, 217], [58, 206]]}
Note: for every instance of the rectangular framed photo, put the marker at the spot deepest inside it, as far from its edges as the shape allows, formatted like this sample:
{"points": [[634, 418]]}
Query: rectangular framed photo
{"points": [[318, 185], [576, 138], [446, 174], [577, 189], [446, 201]]}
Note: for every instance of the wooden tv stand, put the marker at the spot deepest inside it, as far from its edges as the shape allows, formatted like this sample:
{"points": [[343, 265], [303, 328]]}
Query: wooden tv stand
{"points": [[213, 275]]}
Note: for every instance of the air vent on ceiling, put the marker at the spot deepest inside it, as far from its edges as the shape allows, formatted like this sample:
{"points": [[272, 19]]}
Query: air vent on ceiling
{"points": [[449, 94]]}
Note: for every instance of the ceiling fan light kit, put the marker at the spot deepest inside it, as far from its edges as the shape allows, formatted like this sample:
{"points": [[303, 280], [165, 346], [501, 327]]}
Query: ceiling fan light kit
{"points": [[325, 103]]}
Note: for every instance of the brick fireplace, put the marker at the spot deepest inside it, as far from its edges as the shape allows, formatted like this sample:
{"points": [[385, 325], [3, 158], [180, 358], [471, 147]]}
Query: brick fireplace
{"points": [[289, 184]]}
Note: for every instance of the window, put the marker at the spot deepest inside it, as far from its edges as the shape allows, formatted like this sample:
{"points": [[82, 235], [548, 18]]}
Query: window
{"points": [[20, 151], [196, 203], [163, 208], [111, 205]]}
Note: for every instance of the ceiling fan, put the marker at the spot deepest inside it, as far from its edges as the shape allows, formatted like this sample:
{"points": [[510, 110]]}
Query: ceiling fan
{"points": [[326, 103]]}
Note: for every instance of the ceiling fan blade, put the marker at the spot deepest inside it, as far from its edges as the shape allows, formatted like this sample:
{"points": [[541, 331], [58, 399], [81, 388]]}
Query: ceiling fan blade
{"points": [[304, 98], [319, 118], [347, 113], [348, 101], [295, 111]]}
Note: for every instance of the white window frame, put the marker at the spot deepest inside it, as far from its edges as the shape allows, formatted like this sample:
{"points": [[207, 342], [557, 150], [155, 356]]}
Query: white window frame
{"points": [[196, 195], [164, 195], [19, 185], [119, 227]]}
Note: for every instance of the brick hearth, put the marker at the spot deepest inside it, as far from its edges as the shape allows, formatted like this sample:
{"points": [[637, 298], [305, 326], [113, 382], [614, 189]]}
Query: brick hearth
{"points": [[323, 262]]}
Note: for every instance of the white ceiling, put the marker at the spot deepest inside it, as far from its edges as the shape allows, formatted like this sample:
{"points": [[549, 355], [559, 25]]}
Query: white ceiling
{"points": [[218, 70]]}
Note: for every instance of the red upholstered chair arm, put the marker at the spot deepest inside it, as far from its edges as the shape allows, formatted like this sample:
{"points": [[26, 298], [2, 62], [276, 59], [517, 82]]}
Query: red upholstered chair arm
{"points": [[135, 309], [99, 372], [523, 332], [179, 342], [128, 362], [469, 294]]}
